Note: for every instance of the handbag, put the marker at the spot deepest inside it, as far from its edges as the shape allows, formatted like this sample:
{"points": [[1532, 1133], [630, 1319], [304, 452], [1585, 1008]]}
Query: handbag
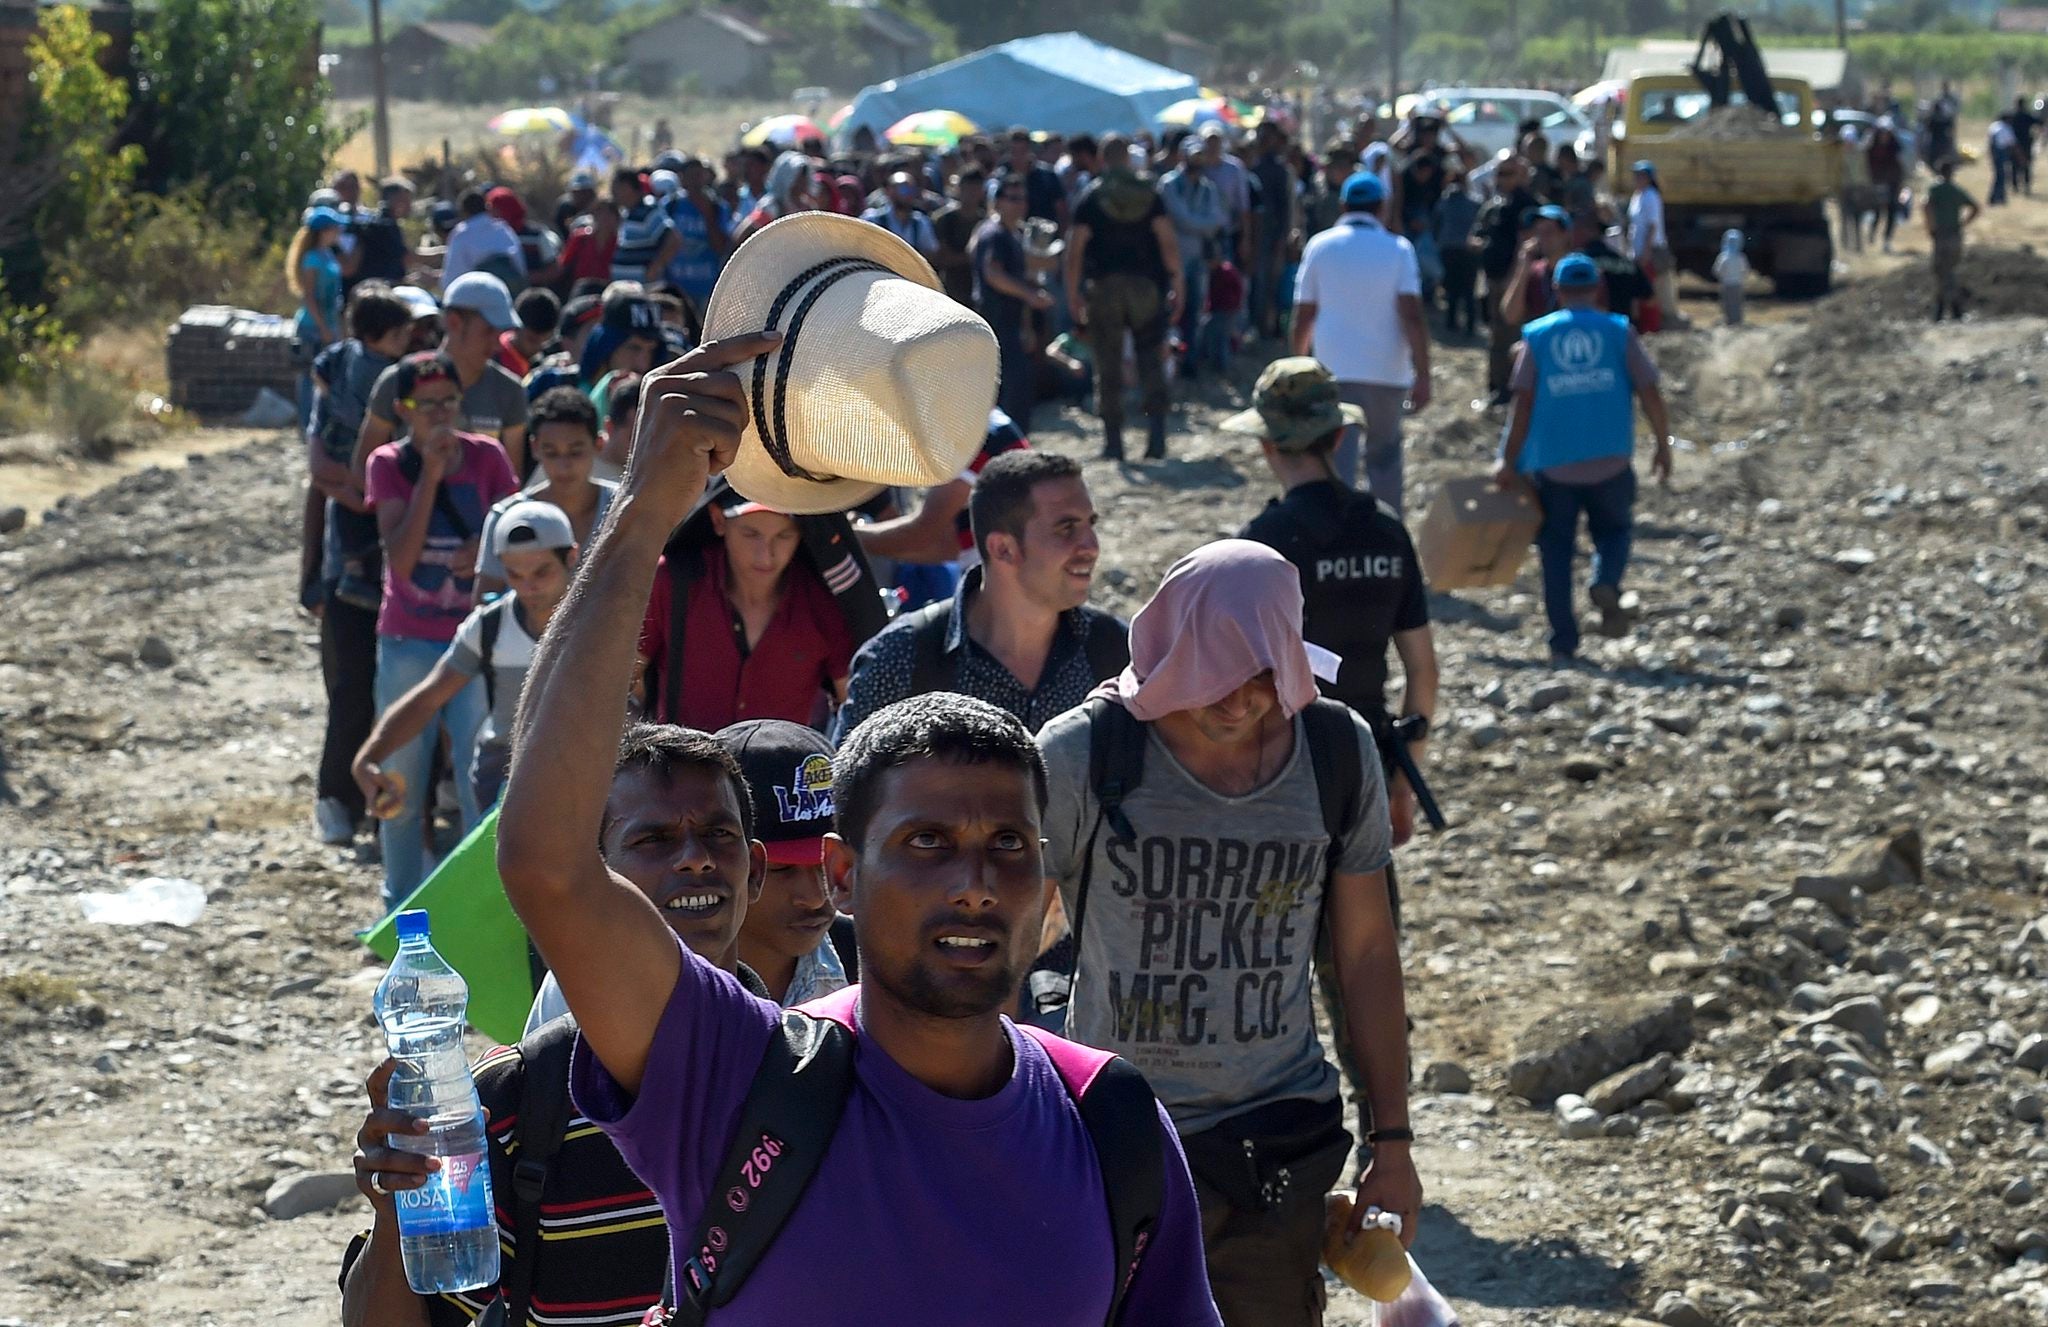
{"points": [[1259, 1159]]}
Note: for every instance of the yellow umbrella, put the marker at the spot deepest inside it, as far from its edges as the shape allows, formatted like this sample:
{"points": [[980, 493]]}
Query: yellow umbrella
{"points": [[940, 129], [532, 120]]}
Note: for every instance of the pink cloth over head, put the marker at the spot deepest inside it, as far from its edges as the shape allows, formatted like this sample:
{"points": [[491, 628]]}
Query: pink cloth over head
{"points": [[1224, 614]]}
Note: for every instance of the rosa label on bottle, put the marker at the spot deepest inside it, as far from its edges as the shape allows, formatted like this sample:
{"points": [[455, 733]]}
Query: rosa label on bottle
{"points": [[455, 1198]]}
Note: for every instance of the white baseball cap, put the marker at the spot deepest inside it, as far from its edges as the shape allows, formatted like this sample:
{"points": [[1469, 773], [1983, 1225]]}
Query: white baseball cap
{"points": [[532, 524]]}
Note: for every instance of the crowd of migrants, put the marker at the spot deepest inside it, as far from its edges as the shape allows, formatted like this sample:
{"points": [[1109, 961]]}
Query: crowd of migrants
{"points": [[804, 795]]}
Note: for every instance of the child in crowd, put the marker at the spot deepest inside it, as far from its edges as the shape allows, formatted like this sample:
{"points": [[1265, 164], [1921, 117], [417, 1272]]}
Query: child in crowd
{"points": [[1731, 269], [1221, 332]]}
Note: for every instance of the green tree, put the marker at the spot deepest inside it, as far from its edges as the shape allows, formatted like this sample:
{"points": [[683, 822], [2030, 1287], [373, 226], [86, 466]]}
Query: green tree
{"points": [[69, 167], [236, 105]]}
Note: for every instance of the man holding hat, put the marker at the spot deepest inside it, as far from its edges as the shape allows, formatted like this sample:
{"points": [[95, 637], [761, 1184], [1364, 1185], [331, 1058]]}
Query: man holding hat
{"points": [[1358, 309], [1576, 381]]}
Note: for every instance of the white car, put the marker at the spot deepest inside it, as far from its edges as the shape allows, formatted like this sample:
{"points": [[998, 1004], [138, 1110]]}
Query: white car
{"points": [[1485, 119]]}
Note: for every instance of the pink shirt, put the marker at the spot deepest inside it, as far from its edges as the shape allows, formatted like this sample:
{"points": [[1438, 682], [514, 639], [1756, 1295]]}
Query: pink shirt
{"points": [[431, 603]]}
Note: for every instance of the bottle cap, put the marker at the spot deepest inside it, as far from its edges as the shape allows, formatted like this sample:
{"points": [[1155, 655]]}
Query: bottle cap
{"points": [[412, 926]]}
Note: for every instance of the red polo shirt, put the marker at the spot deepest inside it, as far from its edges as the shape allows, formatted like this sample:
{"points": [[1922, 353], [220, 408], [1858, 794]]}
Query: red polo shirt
{"points": [[805, 650]]}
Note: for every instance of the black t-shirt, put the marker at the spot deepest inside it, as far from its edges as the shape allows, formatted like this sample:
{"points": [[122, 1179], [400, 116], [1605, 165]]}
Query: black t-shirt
{"points": [[1119, 210], [1360, 581], [997, 248], [1500, 224], [1620, 275], [1042, 189], [955, 228], [383, 248]]}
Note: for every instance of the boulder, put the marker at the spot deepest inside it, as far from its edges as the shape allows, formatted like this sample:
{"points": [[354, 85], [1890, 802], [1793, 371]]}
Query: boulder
{"points": [[312, 1191], [1858, 1172], [1575, 1119], [155, 652], [12, 519], [1445, 1078], [1572, 1049], [1895, 859], [1619, 1091], [1863, 1016], [1674, 1309]]}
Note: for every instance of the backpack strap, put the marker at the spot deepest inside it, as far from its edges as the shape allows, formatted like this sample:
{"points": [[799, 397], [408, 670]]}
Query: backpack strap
{"points": [[1122, 1118], [842, 567], [1108, 647], [493, 620], [791, 1111], [544, 1112], [412, 465], [928, 665], [1332, 737], [1116, 763]]}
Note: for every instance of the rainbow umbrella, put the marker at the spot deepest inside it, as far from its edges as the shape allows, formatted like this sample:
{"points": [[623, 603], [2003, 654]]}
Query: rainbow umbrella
{"points": [[840, 117], [940, 129], [526, 120], [1193, 112], [781, 131]]}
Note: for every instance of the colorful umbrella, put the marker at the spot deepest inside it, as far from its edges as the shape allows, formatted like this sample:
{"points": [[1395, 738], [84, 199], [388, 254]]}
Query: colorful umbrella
{"points": [[840, 116], [1192, 112], [940, 129], [781, 131], [533, 120]]}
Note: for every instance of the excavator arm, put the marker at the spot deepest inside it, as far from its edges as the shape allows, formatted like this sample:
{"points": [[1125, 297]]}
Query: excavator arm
{"points": [[1738, 64]]}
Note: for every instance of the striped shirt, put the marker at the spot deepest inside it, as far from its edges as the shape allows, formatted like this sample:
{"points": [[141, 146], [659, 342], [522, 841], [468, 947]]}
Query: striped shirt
{"points": [[642, 228]]}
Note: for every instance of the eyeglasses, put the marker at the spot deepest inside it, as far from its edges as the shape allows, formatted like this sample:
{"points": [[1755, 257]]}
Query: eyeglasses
{"points": [[431, 403]]}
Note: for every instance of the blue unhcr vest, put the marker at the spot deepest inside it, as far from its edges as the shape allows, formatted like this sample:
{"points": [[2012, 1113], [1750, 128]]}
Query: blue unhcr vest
{"points": [[1584, 408]]}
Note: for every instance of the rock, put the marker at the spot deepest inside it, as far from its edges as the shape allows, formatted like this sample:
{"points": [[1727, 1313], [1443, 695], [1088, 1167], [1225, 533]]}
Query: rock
{"points": [[1753, 1126], [1927, 1152], [155, 652], [1550, 695], [1574, 1048], [1896, 859], [1621, 1126], [1863, 1016], [1679, 723], [1781, 1199], [1838, 894], [1575, 1119], [1935, 1288], [1444, 1077], [12, 519], [2032, 1054], [1858, 1172], [105, 1063], [1743, 1223], [1484, 735], [1794, 1068], [2026, 1107], [296, 986], [1853, 560], [1783, 1170], [1952, 1063], [1789, 617], [1674, 1309], [2018, 1193], [2025, 1242], [1753, 918], [1832, 1197], [1883, 1241], [1584, 769], [1617, 1092], [1924, 1009], [311, 1191]]}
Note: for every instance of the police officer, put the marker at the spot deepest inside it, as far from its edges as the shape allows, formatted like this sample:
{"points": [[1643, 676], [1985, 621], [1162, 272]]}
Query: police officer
{"points": [[1361, 583], [1576, 380], [1361, 588]]}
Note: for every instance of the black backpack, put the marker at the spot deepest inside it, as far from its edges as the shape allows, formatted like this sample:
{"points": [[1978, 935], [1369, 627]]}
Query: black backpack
{"points": [[495, 613], [1108, 647], [1116, 766], [544, 1111]]}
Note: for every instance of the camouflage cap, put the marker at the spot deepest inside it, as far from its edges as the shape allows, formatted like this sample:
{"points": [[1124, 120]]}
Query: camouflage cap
{"points": [[1294, 405]]}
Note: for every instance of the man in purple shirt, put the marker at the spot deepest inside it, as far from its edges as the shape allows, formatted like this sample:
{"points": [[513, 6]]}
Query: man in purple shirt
{"points": [[961, 1185]]}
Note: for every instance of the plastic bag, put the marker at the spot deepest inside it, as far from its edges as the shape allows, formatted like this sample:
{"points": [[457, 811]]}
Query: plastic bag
{"points": [[1420, 1305], [147, 902]]}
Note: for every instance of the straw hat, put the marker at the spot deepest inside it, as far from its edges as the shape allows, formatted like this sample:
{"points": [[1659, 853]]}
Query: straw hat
{"points": [[881, 379]]}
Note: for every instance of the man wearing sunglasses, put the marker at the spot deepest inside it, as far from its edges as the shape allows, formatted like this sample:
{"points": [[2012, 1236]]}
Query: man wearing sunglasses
{"points": [[430, 491], [901, 217]]}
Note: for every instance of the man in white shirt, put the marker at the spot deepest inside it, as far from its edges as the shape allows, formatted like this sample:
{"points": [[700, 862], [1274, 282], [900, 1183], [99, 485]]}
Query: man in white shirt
{"points": [[1650, 243], [479, 239], [1358, 309]]}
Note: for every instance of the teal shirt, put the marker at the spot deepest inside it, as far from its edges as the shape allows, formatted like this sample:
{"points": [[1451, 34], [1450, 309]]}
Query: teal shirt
{"points": [[326, 269]]}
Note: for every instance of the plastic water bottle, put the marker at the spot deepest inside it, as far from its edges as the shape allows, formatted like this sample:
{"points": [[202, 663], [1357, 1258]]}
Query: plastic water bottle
{"points": [[447, 1234]]}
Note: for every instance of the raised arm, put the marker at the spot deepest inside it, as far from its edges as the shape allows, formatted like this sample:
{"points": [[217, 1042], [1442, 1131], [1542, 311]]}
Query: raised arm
{"points": [[615, 958], [928, 534]]}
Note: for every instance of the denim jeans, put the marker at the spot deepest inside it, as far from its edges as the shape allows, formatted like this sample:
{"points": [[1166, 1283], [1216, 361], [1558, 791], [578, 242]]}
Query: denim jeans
{"points": [[1609, 508], [402, 664]]}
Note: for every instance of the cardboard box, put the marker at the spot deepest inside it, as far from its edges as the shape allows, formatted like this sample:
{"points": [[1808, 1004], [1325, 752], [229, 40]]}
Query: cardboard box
{"points": [[1475, 534]]}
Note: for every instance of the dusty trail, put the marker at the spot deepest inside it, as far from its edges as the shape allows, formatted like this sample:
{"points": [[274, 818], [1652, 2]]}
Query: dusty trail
{"points": [[1846, 602]]}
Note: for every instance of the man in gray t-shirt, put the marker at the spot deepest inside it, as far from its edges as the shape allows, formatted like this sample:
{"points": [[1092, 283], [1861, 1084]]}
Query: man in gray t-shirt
{"points": [[1198, 930]]}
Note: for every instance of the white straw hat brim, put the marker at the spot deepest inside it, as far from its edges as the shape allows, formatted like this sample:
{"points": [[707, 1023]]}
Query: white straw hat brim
{"points": [[886, 383]]}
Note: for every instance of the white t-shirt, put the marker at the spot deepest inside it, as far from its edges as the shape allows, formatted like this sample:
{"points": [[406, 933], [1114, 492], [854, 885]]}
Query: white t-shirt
{"points": [[475, 240], [1353, 273], [1645, 222], [2003, 139]]}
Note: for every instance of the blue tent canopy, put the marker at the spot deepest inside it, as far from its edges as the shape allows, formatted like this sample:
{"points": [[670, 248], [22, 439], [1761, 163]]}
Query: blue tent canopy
{"points": [[1059, 81]]}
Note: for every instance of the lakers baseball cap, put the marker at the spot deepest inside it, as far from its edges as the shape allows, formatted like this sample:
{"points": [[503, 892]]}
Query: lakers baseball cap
{"points": [[1294, 405], [789, 769]]}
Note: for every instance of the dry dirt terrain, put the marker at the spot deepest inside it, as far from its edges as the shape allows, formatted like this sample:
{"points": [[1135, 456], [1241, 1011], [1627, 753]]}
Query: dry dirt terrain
{"points": [[1778, 858]]}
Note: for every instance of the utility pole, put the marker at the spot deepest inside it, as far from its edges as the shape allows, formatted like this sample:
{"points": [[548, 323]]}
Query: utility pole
{"points": [[381, 112], [1393, 51], [1842, 24]]}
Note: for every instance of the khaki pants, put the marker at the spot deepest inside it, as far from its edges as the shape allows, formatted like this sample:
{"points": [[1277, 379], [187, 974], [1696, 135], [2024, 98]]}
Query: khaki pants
{"points": [[1134, 304], [1948, 256], [1265, 1267]]}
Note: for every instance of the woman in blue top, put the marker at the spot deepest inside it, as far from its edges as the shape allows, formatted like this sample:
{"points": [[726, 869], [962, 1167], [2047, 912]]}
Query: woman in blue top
{"points": [[313, 266]]}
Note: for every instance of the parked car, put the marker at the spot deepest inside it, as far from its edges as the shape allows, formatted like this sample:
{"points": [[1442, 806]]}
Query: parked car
{"points": [[1485, 119]]}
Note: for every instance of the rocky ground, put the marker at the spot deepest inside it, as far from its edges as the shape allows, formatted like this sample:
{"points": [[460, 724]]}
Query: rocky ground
{"points": [[1726, 977]]}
